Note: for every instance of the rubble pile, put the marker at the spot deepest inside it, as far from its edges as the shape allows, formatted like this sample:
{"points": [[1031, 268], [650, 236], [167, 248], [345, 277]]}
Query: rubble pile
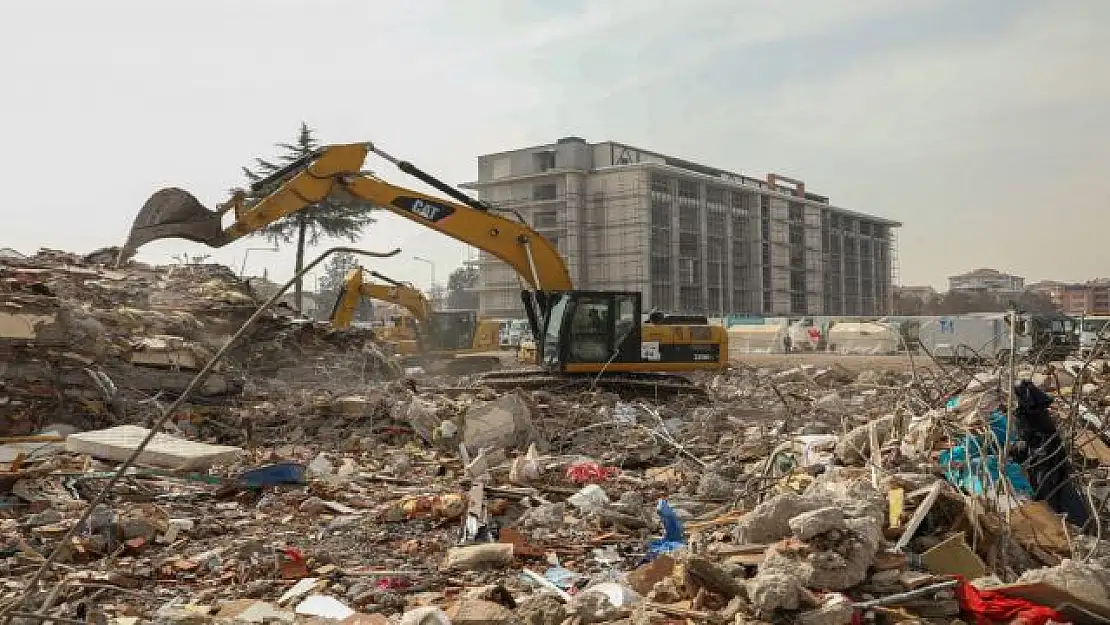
{"points": [[86, 344], [815, 495]]}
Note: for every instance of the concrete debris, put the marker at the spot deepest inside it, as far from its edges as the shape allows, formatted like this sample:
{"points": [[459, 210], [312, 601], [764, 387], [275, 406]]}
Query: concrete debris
{"points": [[478, 612], [836, 611], [472, 557], [171, 452], [306, 482], [809, 524], [854, 448], [504, 423]]}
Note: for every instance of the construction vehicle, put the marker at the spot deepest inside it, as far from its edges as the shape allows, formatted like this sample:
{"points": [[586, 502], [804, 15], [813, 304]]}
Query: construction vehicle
{"points": [[601, 338], [440, 342]]}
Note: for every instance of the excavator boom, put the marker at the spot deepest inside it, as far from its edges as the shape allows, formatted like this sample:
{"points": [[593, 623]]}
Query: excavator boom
{"points": [[354, 289], [336, 172]]}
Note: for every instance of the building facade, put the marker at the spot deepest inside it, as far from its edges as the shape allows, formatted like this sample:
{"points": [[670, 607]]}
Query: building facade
{"points": [[692, 239], [1089, 298], [988, 281], [919, 293]]}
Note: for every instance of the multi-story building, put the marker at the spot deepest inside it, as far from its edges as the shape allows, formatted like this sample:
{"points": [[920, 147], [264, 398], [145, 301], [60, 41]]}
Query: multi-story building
{"points": [[1088, 298], [987, 281], [691, 238], [920, 293]]}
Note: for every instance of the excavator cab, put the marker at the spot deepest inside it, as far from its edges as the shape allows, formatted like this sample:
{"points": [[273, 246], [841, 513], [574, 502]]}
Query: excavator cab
{"points": [[584, 329], [452, 330]]}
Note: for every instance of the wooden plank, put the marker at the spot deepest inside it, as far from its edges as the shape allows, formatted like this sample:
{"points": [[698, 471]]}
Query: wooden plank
{"points": [[919, 516], [896, 501]]}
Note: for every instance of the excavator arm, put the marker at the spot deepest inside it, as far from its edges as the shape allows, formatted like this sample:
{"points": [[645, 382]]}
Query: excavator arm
{"points": [[354, 289], [335, 172]]}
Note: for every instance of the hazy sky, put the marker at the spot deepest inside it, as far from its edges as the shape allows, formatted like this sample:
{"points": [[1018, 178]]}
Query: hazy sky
{"points": [[982, 126]]}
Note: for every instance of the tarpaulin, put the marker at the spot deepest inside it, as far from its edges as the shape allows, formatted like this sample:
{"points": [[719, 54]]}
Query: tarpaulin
{"points": [[964, 467], [990, 606]]}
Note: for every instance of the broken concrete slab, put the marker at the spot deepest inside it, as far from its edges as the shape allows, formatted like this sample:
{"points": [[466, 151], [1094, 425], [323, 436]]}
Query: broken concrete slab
{"points": [[504, 423], [479, 612], [809, 524], [164, 451], [854, 448], [24, 326], [480, 556]]}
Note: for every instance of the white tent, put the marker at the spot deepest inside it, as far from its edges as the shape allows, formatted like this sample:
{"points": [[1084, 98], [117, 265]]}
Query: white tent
{"points": [[863, 338], [753, 339]]}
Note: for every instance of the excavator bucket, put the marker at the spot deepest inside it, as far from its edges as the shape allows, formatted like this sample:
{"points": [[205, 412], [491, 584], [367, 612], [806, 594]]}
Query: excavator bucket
{"points": [[173, 213]]}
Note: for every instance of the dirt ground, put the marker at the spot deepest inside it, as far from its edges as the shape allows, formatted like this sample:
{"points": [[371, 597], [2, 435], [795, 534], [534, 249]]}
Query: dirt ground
{"points": [[852, 362]]}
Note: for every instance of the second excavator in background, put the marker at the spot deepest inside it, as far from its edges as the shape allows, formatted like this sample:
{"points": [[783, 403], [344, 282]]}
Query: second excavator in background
{"points": [[442, 342], [599, 338]]}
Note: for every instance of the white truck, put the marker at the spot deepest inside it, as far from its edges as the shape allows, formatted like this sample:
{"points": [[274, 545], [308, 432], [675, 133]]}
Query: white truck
{"points": [[986, 336], [1090, 328]]}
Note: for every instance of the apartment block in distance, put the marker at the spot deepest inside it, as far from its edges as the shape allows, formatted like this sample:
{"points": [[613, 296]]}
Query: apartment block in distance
{"points": [[1088, 298], [691, 238], [986, 281]]}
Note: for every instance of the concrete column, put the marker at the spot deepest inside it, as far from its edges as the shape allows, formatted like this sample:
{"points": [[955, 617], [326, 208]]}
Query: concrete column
{"points": [[675, 236], [703, 246], [644, 226], [730, 306]]}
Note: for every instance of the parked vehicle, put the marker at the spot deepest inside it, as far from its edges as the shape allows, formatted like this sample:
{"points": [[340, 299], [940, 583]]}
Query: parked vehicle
{"points": [[1090, 329], [986, 336]]}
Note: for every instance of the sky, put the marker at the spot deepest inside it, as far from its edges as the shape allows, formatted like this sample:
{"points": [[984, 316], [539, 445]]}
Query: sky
{"points": [[981, 126]]}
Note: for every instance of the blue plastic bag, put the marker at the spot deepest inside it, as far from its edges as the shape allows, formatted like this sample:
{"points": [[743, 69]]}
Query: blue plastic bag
{"points": [[673, 533], [281, 473]]}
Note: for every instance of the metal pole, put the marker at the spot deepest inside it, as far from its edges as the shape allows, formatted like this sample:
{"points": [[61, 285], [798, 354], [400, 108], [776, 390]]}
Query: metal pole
{"points": [[197, 380], [247, 252], [431, 266], [1009, 409]]}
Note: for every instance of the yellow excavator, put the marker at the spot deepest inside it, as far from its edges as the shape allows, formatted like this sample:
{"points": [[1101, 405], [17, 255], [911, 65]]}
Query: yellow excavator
{"points": [[453, 342], [600, 338]]}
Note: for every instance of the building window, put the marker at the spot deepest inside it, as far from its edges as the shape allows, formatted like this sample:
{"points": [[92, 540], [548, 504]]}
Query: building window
{"points": [[715, 195], [502, 167], [661, 185], [659, 216], [544, 161], [796, 214], [543, 192], [687, 190], [545, 219], [660, 270]]}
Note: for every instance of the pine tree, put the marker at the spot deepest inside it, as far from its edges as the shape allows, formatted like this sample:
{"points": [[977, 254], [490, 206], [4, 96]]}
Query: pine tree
{"points": [[326, 219]]}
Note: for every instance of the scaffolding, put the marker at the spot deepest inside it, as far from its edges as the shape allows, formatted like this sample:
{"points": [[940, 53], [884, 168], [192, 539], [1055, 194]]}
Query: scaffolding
{"points": [[602, 236], [690, 246]]}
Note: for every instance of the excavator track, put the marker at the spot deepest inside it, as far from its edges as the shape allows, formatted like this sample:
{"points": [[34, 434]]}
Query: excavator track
{"points": [[626, 384]]}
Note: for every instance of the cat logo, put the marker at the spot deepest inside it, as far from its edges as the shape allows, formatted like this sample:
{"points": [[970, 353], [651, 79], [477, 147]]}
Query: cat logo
{"points": [[425, 209]]}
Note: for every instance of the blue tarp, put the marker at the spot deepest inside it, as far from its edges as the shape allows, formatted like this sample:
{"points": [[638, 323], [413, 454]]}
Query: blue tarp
{"points": [[968, 463], [673, 533]]}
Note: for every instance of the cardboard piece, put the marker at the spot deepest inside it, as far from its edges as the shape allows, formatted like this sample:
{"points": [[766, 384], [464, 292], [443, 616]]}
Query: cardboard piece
{"points": [[1092, 448], [1035, 525], [954, 557]]}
